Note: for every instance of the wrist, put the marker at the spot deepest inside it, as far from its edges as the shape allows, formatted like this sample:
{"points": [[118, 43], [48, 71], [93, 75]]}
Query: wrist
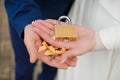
{"points": [[98, 43]]}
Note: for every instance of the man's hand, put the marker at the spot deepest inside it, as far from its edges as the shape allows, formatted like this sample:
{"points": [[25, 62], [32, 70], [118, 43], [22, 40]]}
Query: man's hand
{"points": [[33, 41]]}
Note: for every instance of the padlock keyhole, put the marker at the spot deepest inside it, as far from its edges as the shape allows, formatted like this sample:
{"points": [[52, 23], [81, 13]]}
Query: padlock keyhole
{"points": [[66, 38]]}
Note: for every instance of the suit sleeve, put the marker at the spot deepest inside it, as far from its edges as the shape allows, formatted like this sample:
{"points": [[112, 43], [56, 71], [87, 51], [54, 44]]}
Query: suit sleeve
{"points": [[21, 13]]}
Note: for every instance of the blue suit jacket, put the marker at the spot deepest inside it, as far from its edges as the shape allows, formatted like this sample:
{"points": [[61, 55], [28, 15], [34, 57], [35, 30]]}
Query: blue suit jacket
{"points": [[23, 12]]}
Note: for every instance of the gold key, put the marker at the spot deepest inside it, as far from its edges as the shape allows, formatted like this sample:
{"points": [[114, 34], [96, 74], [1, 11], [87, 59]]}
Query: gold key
{"points": [[66, 31]]}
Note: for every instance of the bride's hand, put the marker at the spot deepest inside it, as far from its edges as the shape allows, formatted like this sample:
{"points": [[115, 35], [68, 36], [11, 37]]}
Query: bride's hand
{"points": [[84, 43]]}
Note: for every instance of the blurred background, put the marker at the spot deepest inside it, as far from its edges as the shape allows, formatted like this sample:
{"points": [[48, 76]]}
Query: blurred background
{"points": [[6, 51]]}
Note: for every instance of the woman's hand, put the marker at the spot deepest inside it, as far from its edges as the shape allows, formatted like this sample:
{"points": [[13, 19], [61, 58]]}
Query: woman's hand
{"points": [[84, 43]]}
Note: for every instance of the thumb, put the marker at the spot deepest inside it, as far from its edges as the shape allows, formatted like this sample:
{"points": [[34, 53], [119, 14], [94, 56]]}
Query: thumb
{"points": [[33, 55], [32, 51], [30, 38]]}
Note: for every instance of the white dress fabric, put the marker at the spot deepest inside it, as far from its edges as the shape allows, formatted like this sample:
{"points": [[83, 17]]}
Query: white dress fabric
{"points": [[102, 16]]}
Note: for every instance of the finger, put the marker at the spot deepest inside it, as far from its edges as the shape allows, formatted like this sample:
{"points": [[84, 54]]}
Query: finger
{"points": [[43, 26], [70, 58], [68, 54], [73, 58], [31, 48], [51, 21], [43, 34], [76, 51], [45, 23], [50, 24], [29, 40], [53, 63], [38, 44], [71, 62], [54, 22]]}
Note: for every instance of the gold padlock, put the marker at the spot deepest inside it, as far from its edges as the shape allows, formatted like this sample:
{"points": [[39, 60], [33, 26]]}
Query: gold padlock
{"points": [[67, 31]]}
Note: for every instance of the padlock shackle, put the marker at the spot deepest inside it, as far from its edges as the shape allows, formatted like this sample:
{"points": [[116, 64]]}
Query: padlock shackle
{"points": [[64, 17]]}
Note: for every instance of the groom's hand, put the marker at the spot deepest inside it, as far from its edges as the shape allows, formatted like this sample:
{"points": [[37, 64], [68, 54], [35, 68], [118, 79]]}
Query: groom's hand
{"points": [[33, 41]]}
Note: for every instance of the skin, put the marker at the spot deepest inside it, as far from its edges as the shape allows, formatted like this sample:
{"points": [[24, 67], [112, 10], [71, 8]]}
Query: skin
{"points": [[85, 41], [32, 42]]}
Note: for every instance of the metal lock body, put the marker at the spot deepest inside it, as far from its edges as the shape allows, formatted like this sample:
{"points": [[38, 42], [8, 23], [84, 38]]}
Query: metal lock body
{"points": [[66, 31]]}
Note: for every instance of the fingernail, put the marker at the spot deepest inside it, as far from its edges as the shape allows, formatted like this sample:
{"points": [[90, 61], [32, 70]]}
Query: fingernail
{"points": [[33, 22], [75, 59], [32, 61]]}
